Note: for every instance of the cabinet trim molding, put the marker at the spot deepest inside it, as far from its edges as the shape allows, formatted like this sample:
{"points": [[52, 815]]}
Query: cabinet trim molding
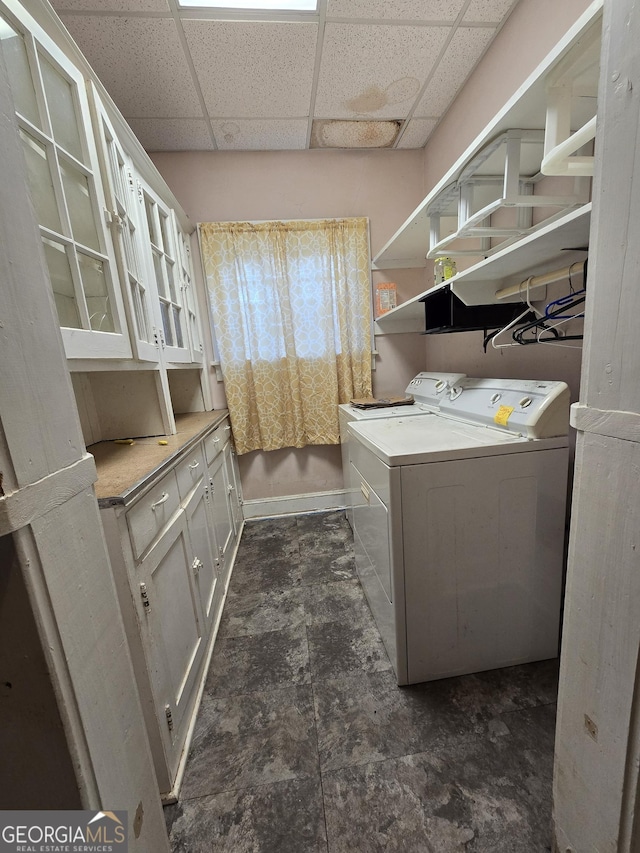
{"points": [[22, 507]]}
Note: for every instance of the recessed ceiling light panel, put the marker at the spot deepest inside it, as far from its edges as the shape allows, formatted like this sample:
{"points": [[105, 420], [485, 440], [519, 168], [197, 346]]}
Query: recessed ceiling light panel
{"points": [[338, 133], [254, 5]]}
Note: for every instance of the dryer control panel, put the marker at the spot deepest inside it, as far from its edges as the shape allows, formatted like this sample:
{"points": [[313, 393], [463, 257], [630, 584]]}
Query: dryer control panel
{"points": [[429, 388], [531, 408]]}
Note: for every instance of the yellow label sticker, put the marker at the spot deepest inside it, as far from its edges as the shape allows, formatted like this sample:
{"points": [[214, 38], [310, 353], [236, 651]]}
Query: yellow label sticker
{"points": [[502, 415]]}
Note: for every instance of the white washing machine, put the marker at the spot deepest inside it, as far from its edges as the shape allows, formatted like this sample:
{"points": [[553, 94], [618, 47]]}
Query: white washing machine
{"points": [[459, 527], [427, 389]]}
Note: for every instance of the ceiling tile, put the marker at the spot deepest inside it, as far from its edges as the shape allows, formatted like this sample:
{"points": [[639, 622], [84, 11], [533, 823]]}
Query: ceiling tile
{"points": [[422, 10], [371, 70], [464, 51], [140, 62], [172, 134], [111, 5], [417, 133], [256, 69], [255, 135], [488, 10]]}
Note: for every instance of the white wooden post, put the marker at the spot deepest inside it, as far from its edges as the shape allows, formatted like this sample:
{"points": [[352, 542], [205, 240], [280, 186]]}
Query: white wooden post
{"points": [[49, 514], [598, 731]]}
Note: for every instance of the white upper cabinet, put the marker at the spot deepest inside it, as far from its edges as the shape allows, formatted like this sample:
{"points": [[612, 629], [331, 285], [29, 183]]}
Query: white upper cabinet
{"points": [[162, 255], [154, 257], [118, 254], [62, 166], [128, 230], [185, 270]]}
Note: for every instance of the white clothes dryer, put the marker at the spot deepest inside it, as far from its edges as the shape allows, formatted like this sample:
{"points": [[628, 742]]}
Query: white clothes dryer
{"points": [[459, 527]]}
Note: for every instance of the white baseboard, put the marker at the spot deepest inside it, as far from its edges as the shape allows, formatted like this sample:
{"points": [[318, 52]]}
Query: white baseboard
{"points": [[294, 504]]}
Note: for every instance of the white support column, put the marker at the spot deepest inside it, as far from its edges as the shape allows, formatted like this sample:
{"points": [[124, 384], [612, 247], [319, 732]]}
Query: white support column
{"points": [[598, 731], [465, 205], [511, 188], [434, 230], [558, 127]]}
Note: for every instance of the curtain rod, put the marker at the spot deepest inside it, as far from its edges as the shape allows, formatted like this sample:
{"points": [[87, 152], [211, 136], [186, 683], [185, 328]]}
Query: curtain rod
{"points": [[540, 280]]}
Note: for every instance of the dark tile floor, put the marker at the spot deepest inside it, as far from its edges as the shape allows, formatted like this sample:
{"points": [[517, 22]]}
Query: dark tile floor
{"points": [[304, 742]]}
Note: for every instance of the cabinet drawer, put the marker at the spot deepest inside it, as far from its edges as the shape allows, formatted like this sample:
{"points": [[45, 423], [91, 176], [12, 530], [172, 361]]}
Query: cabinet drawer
{"points": [[150, 514], [190, 472], [214, 443]]}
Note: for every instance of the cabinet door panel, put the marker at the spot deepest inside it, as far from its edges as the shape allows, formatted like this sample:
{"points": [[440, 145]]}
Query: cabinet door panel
{"points": [[205, 561], [160, 257], [176, 644], [222, 520], [63, 174], [128, 235], [185, 271], [233, 488]]}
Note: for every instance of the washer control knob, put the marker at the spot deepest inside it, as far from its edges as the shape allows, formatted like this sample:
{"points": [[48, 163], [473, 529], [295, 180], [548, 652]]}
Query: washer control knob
{"points": [[440, 386], [495, 398], [526, 401], [455, 392]]}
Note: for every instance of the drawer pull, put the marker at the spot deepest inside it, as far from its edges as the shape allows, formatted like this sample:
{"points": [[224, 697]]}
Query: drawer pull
{"points": [[366, 494], [193, 465], [216, 440], [163, 499]]}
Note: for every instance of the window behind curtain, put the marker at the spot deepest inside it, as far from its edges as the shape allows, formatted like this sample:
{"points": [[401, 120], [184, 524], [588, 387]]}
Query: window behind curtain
{"points": [[292, 316]]}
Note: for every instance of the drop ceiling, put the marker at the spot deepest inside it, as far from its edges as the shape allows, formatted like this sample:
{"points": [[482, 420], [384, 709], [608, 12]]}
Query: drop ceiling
{"points": [[194, 79]]}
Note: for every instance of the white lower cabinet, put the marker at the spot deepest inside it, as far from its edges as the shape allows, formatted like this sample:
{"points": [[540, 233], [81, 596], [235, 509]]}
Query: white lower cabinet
{"points": [[206, 563], [172, 543], [221, 477], [173, 632], [234, 491]]}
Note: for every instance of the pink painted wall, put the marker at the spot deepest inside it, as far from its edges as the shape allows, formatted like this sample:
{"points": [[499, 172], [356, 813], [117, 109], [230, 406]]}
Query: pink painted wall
{"points": [[383, 185]]}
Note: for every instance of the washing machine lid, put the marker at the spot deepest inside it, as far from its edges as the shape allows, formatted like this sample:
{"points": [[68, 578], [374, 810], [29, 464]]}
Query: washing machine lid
{"points": [[415, 440], [354, 414]]}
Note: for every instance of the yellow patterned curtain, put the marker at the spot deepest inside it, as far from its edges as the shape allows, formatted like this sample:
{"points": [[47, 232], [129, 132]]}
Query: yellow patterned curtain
{"points": [[291, 310]]}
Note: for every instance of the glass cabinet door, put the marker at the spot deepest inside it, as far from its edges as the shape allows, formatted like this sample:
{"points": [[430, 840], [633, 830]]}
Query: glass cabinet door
{"points": [[162, 260], [129, 238], [62, 172], [189, 294]]}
